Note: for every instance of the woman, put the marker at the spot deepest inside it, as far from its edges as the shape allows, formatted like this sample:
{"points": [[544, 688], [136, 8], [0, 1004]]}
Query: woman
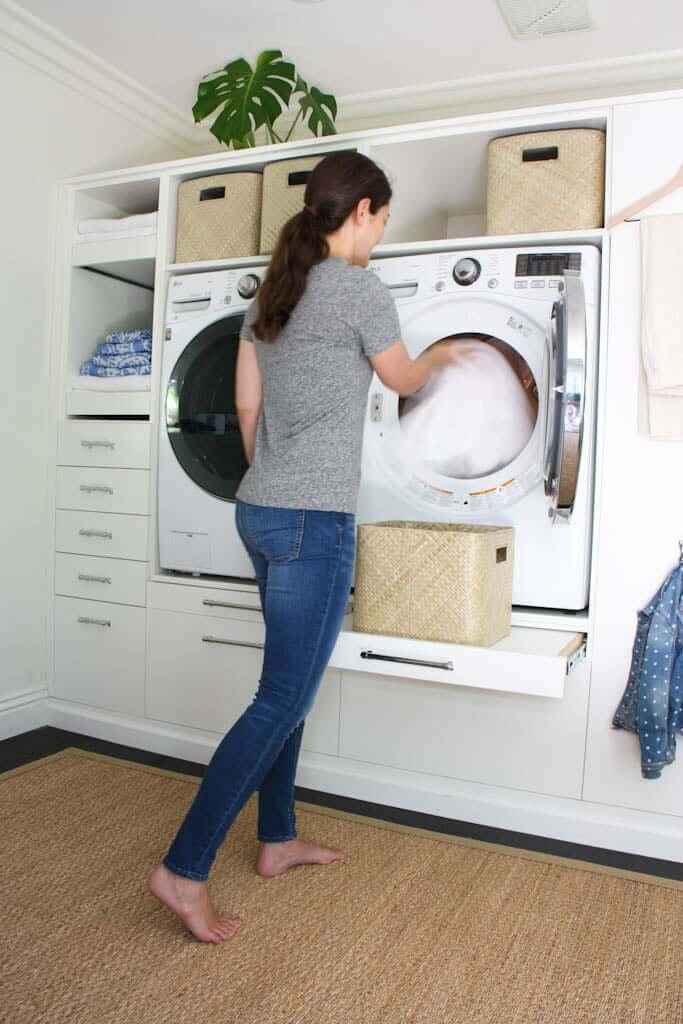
{"points": [[310, 340]]}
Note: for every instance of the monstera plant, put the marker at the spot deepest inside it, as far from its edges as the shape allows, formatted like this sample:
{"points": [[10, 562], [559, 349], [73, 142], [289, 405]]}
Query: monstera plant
{"points": [[254, 98]]}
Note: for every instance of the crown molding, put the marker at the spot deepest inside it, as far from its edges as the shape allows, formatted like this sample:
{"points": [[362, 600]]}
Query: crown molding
{"points": [[35, 43], [620, 76], [55, 54]]}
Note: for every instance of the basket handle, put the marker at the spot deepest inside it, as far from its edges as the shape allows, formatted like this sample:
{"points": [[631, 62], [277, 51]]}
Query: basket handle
{"points": [[299, 177], [540, 153], [217, 192]]}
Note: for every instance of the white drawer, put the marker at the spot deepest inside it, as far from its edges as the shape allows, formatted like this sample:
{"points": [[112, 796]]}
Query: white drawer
{"points": [[204, 671], [100, 655], [529, 661], [219, 602], [104, 443], [102, 579], [102, 533], [103, 490]]}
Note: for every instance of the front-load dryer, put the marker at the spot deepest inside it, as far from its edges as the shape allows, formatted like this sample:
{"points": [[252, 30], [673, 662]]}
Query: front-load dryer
{"points": [[201, 456], [533, 313]]}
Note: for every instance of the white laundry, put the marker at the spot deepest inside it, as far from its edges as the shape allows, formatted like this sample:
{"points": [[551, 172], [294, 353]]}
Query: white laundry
{"points": [[471, 418], [118, 225]]}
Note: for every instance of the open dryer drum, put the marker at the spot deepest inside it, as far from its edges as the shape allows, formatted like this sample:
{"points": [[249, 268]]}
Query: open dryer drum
{"points": [[505, 415]]}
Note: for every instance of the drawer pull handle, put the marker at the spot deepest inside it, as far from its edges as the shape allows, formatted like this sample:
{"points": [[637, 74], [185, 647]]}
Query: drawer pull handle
{"points": [[447, 665], [98, 444], [89, 488], [95, 533], [93, 579], [230, 643], [226, 604], [94, 622]]}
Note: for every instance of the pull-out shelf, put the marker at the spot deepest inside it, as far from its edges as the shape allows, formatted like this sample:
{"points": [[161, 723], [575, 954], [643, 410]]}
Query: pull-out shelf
{"points": [[529, 661]]}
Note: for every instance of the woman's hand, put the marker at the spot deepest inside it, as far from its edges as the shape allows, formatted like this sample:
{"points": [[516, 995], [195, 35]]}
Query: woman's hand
{"points": [[443, 353]]}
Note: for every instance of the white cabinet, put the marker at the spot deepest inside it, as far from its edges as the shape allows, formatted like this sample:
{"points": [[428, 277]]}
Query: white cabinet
{"points": [[103, 490], [501, 739], [205, 657], [104, 443], [647, 150], [102, 579], [100, 655], [102, 533], [640, 522]]}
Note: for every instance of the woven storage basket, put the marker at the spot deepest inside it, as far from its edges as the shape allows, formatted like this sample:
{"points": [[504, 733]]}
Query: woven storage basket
{"points": [[219, 217], [284, 184], [434, 581], [546, 181]]}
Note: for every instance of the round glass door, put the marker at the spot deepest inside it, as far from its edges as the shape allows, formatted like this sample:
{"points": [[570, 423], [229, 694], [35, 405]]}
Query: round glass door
{"points": [[201, 418]]}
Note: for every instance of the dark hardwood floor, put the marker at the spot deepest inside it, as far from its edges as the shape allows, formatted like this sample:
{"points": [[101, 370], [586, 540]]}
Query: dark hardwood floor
{"points": [[39, 743]]}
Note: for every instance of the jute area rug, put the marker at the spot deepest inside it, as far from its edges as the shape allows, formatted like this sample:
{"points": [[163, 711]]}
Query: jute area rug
{"points": [[410, 927]]}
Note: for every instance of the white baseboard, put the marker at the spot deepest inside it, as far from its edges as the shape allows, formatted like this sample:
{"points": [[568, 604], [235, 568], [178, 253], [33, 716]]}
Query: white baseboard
{"points": [[22, 711], [573, 821]]}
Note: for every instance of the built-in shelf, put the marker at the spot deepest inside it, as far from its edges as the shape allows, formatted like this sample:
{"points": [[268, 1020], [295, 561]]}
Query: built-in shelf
{"points": [[129, 259], [588, 237], [81, 402]]}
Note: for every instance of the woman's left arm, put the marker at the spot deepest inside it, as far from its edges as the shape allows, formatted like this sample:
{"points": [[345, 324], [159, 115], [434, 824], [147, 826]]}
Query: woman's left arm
{"points": [[248, 394]]}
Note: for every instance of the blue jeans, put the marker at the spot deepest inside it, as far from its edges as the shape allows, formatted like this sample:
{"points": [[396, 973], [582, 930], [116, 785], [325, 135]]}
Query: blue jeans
{"points": [[303, 560]]}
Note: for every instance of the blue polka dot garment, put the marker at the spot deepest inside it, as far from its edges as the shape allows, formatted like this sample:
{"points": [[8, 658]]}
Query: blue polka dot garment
{"points": [[652, 704]]}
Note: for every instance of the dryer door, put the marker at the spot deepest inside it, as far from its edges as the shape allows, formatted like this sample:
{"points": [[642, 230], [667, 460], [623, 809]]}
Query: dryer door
{"points": [[201, 418], [564, 435]]}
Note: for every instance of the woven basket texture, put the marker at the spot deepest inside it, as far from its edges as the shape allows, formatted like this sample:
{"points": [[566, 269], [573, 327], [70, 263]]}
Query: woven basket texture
{"points": [[280, 199], [566, 193], [220, 228], [434, 581]]}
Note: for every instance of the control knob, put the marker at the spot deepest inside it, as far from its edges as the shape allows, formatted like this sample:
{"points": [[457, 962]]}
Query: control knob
{"points": [[247, 286], [466, 270]]}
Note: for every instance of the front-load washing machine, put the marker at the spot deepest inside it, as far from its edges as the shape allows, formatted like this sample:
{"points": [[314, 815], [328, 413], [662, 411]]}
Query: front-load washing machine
{"points": [[505, 436], [201, 456]]}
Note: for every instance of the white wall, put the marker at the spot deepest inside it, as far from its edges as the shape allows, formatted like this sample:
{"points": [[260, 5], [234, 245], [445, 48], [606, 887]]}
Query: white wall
{"points": [[50, 130]]}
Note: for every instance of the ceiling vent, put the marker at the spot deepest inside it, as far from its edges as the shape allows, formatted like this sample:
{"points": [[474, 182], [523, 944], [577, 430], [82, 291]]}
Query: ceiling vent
{"points": [[532, 19]]}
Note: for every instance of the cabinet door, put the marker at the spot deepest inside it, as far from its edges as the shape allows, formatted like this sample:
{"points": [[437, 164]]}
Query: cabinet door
{"points": [[637, 531], [100, 654], [647, 150], [204, 672], [498, 739]]}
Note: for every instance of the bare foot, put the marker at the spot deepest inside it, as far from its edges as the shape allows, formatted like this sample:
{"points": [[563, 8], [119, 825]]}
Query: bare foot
{"points": [[276, 858], [190, 901]]}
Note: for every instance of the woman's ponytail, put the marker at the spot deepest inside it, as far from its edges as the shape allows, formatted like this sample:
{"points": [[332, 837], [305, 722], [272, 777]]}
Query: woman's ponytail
{"points": [[336, 186]]}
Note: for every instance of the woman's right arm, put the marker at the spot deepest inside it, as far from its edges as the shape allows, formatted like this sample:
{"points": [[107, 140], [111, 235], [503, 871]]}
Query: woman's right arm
{"points": [[400, 373]]}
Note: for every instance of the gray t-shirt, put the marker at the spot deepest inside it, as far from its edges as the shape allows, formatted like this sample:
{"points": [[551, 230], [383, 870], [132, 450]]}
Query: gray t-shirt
{"points": [[316, 376]]}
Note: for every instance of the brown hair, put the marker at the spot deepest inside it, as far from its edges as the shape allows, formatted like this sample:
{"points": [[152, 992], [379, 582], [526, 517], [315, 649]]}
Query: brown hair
{"points": [[334, 189]]}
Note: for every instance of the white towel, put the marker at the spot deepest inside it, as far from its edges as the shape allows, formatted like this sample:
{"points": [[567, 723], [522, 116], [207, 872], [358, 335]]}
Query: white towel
{"points": [[133, 382], [661, 385], [101, 225]]}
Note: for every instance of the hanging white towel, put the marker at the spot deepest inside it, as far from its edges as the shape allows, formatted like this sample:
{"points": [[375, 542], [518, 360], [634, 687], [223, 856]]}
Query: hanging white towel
{"points": [[661, 385]]}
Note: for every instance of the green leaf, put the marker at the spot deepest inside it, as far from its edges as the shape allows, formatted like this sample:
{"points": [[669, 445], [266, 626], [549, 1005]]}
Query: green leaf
{"points": [[319, 109], [251, 97]]}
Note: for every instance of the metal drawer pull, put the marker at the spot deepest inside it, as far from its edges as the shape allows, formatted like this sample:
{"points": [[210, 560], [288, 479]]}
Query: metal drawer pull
{"points": [[225, 604], [89, 488], [94, 622], [96, 533], [93, 579], [448, 665], [230, 643], [98, 444]]}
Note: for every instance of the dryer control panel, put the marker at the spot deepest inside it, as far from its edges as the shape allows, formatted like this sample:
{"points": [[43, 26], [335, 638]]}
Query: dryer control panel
{"points": [[530, 273]]}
